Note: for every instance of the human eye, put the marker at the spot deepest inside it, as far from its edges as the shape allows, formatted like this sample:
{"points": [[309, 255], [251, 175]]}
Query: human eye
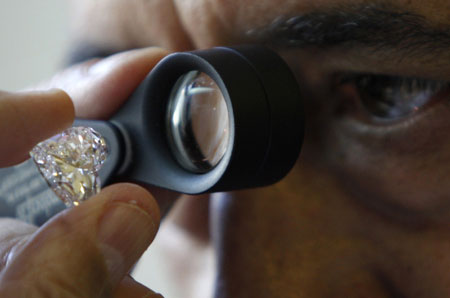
{"points": [[385, 99]]}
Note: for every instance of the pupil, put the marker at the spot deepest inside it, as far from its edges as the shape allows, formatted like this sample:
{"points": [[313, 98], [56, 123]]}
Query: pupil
{"points": [[391, 98]]}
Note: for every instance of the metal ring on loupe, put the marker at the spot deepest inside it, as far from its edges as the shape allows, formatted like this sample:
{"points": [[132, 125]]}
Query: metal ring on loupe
{"points": [[198, 122], [265, 114]]}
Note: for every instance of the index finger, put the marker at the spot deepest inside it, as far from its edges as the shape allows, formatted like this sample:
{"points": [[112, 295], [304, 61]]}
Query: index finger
{"points": [[29, 117]]}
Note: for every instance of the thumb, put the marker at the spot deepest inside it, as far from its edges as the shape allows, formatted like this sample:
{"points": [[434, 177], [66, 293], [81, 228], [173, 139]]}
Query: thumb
{"points": [[85, 251]]}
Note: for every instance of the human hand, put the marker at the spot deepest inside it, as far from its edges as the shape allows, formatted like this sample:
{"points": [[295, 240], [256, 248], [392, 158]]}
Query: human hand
{"points": [[85, 251]]}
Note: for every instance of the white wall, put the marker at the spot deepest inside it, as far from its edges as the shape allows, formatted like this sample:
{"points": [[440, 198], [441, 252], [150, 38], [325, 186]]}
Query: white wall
{"points": [[33, 36]]}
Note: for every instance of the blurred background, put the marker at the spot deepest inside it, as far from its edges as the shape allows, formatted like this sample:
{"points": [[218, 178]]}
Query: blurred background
{"points": [[33, 38]]}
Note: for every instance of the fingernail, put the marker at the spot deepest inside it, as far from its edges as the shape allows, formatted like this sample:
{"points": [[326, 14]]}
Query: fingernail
{"points": [[57, 98], [125, 231], [49, 95], [60, 105]]}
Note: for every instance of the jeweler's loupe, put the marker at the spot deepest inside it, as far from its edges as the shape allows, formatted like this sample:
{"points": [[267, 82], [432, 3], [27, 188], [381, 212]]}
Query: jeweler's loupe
{"points": [[212, 120]]}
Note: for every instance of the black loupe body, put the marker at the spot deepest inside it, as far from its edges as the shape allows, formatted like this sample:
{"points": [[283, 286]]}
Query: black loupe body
{"points": [[205, 121]]}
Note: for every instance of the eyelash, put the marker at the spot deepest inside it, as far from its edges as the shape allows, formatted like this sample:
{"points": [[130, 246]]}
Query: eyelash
{"points": [[393, 98]]}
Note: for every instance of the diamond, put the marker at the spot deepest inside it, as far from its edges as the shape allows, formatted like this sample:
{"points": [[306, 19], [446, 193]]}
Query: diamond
{"points": [[70, 162]]}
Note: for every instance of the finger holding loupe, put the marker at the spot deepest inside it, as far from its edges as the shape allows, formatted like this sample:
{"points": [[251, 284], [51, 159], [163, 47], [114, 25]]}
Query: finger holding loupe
{"points": [[205, 121]]}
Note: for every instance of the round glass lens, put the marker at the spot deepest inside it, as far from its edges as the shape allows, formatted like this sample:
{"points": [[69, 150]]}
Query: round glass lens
{"points": [[197, 122]]}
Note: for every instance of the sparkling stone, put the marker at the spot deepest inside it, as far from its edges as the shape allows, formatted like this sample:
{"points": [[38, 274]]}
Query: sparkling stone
{"points": [[70, 162]]}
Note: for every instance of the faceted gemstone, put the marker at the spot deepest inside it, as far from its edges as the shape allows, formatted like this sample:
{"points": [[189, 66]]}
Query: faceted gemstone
{"points": [[70, 162]]}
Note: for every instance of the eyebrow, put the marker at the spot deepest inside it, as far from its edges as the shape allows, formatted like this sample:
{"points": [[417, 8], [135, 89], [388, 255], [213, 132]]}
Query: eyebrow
{"points": [[377, 27]]}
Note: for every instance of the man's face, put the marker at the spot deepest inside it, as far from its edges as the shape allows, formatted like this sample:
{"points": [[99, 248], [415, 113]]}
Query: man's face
{"points": [[366, 209]]}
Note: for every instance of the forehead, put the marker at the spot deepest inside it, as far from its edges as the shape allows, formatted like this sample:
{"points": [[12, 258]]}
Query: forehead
{"points": [[184, 24]]}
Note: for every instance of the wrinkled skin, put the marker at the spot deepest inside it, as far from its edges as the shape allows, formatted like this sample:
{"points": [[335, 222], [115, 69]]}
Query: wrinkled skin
{"points": [[365, 212]]}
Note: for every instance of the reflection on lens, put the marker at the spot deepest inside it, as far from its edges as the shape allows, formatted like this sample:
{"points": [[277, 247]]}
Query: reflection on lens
{"points": [[197, 122]]}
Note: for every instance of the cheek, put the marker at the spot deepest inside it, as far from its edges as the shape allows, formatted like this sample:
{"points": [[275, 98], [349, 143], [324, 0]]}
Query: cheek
{"points": [[403, 170]]}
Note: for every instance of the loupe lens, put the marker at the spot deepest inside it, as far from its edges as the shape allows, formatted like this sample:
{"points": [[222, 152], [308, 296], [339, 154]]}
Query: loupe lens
{"points": [[198, 123]]}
